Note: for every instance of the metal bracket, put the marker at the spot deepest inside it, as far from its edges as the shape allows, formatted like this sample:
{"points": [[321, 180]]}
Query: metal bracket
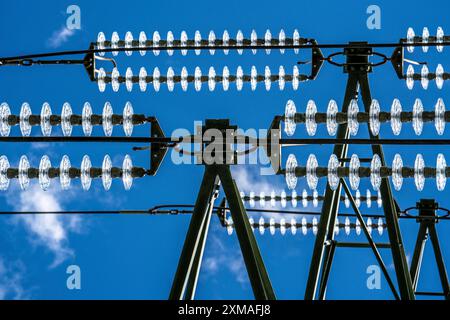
{"points": [[221, 212], [357, 58], [427, 208], [89, 63], [157, 151], [317, 61], [274, 136], [397, 61], [228, 136]]}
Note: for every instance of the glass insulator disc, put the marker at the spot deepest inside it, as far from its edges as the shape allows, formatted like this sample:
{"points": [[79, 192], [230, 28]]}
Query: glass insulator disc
{"points": [[419, 176], [4, 166], [24, 123], [289, 118], [396, 111], [127, 177], [441, 166], [107, 119], [85, 176], [352, 117], [375, 172], [333, 178], [24, 180], [64, 177], [46, 113], [311, 125], [66, 124], [417, 120], [311, 174], [354, 172], [291, 178], [128, 119], [332, 110], [374, 117], [86, 119], [397, 177], [44, 167], [106, 172]]}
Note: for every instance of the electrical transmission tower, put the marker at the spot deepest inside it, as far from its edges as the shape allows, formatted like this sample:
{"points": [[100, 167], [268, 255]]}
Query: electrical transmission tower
{"points": [[218, 140]]}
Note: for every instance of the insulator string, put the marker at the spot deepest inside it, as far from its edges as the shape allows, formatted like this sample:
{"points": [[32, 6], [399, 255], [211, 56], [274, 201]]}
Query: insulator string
{"points": [[304, 226], [304, 199], [67, 120], [211, 44], [374, 118], [376, 172], [212, 78], [65, 172]]}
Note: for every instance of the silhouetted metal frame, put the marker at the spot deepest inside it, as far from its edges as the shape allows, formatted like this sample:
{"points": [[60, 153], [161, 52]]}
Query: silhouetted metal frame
{"points": [[372, 243], [258, 276], [330, 205], [193, 239], [195, 270], [327, 269], [427, 229], [390, 209], [416, 262], [357, 81]]}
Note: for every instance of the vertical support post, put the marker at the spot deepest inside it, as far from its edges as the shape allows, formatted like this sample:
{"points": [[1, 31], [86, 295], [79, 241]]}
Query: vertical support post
{"points": [[259, 279], [326, 270], [416, 262], [194, 235], [439, 261], [427, 229], [390, 210], [331, 201], [191, 285]]}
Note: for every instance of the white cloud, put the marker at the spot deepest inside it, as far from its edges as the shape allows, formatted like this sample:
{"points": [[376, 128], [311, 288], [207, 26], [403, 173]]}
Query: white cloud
{"points": [[247, 182], [49, 230], [60, 37], [11, 276], [223, 257]]}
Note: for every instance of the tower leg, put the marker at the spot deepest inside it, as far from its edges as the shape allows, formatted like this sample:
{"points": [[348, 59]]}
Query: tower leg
{"points": [[390, 210], [439, 261], [193, 242], [259, 279], [331, 202], [193, 277], [417, 258], [186, 276]]}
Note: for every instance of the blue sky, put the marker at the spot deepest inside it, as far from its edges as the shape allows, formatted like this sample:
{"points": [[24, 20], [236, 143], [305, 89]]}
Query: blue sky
{"points": [[136, 257]]}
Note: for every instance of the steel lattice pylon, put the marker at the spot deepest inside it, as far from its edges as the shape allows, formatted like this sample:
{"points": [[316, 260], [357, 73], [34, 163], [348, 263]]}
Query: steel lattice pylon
{"points": [[216, 175]]}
